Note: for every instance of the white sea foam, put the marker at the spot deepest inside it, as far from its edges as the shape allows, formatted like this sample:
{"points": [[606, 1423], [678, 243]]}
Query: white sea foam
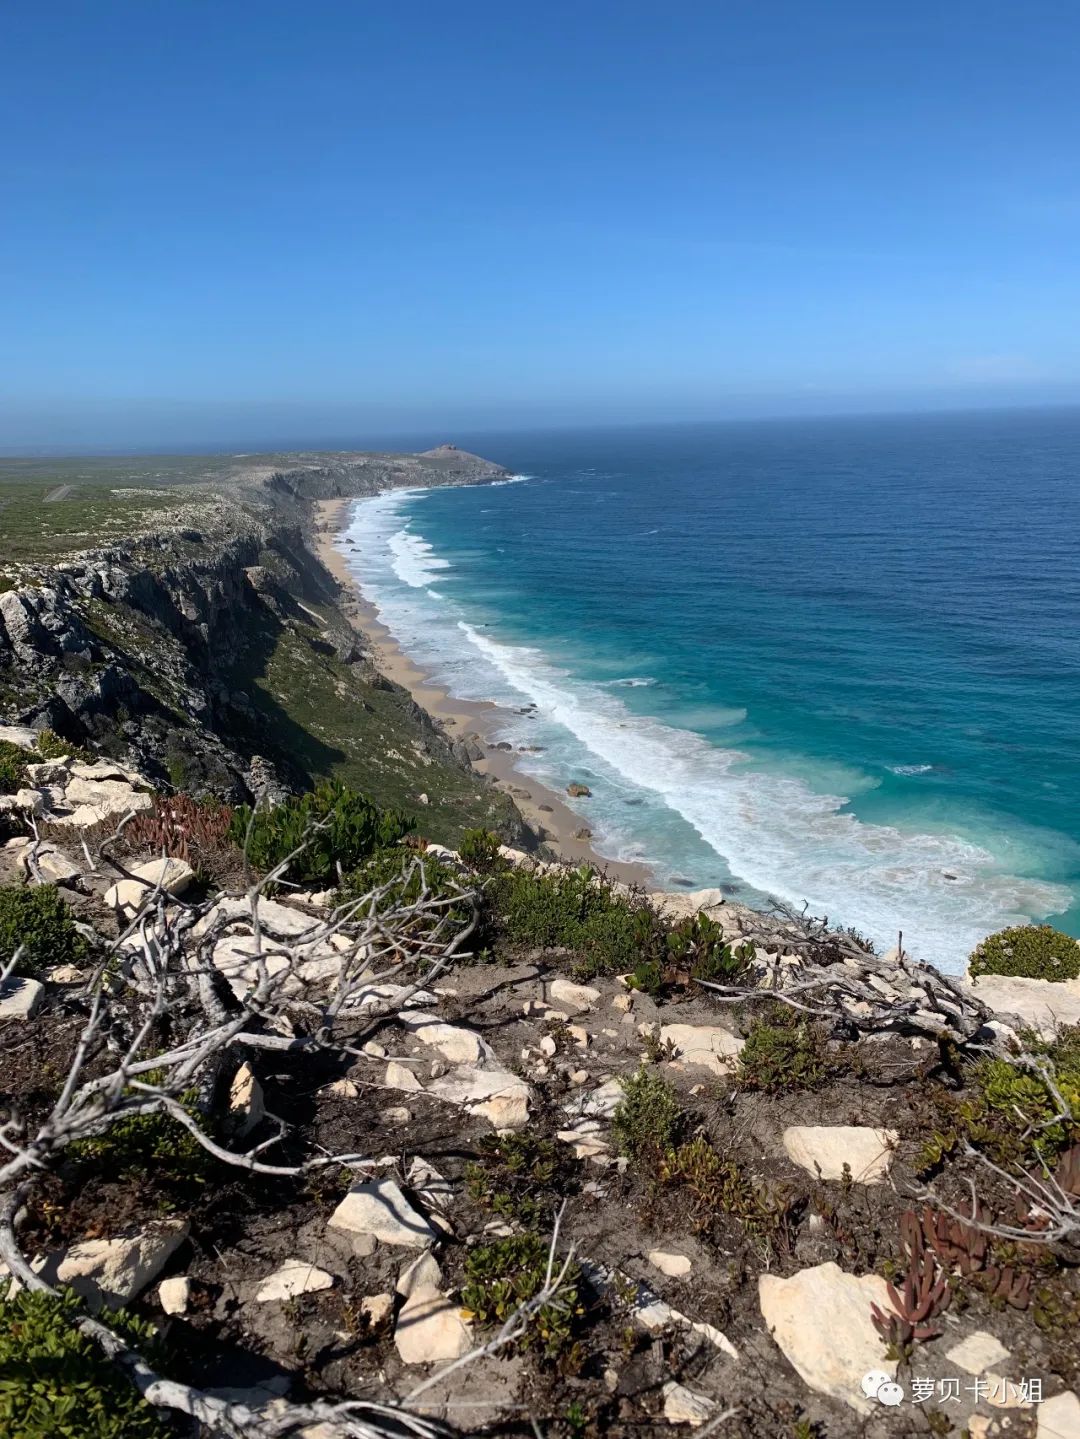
{"points": [[652, 778], [911, 768]]}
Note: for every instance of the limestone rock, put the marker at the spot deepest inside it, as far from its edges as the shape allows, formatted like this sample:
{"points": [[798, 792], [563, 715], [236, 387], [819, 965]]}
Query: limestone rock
{"points": [[1042, 1004], [978, 1353], [453, 1042], [496, 1094], [820, 1319], [683, 1406], [400, 1076], [430, 1328], [114, 1271], [30, 801], [379, 1209], [1059, 1417], [673, 1265], [95, 801], [20, 997], [173, 876], [577, 997], [246, 1107], [377, 1309], [18, 735], [825, 1148], [421, 1273], [706, 1046], [49, 771], [55, 866], [296, 1276], [174, 1295]]}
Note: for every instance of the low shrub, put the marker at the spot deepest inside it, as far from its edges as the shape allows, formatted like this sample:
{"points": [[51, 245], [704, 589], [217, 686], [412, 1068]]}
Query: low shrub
{"points": [[501, 1276], [1031, 951], [56, 1384], [1009, 1112], [783, 1050], [480, 848], [50, 745], [150, 1147], [337, 826], [718, 1185], [697, 947], [12, 767], [649, 1118], [580, 910], [36, 918], [512, 1176]]}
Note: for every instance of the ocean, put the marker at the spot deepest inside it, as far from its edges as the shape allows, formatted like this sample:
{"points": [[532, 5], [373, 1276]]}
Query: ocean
{"points": [[834, 662]]}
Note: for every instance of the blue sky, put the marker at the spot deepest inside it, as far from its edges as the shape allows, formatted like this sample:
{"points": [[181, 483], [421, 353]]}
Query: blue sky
{"points": [[252, 221]]}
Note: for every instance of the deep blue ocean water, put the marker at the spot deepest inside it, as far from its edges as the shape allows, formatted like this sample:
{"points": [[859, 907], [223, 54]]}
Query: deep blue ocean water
{"points": [[835, 661]]}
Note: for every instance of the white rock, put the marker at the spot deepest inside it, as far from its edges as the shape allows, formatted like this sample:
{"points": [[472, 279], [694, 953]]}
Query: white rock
{"points": [[706, 1046], [343, 1089], [674, 1265], [430, 1329], [825, 1148], [1059, 1417], [98, 800], [576, 997], [400, 1076], [496, 1094], [586, 1145], [453, 1042], [174, 1294], [102, 769], [548, 1046], [377, 1308], [599, 1103], [397, 1114], [18, 735], [651, 1312], [623, 1002], [296, 1276], [31, 801], [65, 974], [114, 1271], [246, 1107], [48, 772], [1043, 1004], [683, 1406], [421, 1273], [20, 997], [378, 1208], [56, 867], [820, 1319], [978, 1353], [579, 1035]]}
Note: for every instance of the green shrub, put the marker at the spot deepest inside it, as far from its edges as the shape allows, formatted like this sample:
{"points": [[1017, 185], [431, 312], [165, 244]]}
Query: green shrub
{"points": [[578, 909], [12, 767], [1032, 951], [480, 848], [340, 828], [501, 1276], [38, 919], [49, 745], [648, 1118], [513, 1174], [56, 1384], [783, 1050], [697, 945], [717, 1184], [150, 1147]]}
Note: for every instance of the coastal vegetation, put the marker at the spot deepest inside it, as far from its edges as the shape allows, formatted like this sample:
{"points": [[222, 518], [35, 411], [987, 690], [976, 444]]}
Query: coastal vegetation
{"points": [[1028, 951]]}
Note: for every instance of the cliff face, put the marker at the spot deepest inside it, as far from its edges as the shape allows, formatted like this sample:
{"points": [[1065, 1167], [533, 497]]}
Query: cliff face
{"points": [[212, 656]]}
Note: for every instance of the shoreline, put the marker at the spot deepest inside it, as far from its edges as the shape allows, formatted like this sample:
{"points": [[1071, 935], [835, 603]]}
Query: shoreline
{"points": [[543, 809]]}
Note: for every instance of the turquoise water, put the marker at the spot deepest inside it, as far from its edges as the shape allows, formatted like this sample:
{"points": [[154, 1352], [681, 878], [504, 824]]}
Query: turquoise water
{"points": [[835, 661]]}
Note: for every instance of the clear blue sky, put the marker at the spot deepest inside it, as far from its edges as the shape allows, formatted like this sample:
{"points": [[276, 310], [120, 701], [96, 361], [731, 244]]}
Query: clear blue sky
{"points": [[246, 221]]}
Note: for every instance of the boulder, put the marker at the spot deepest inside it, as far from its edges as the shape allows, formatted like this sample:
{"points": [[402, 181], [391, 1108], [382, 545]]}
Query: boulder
{"points": [[49, 771], [578, 791], [400, 1076], [453, 1042], [577, 997], [20, 997], [500, 1097], [430, 1329], [55, 866], [820, 1319], [824, 1149], [379, 1209], [95, 801], [173, 876], [1042, 1004], [705, 1046], [114, 1271], [421, 1273], [30, 801], [683, 1406], [296, 1276]]}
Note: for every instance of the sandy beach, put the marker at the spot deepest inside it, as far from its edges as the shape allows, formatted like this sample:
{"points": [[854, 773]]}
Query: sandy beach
{"points": [[544, 809]]}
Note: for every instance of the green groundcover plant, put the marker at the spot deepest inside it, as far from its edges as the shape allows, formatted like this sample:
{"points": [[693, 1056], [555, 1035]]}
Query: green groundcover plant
{"points": [[39, 922], [1030, 951]]}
